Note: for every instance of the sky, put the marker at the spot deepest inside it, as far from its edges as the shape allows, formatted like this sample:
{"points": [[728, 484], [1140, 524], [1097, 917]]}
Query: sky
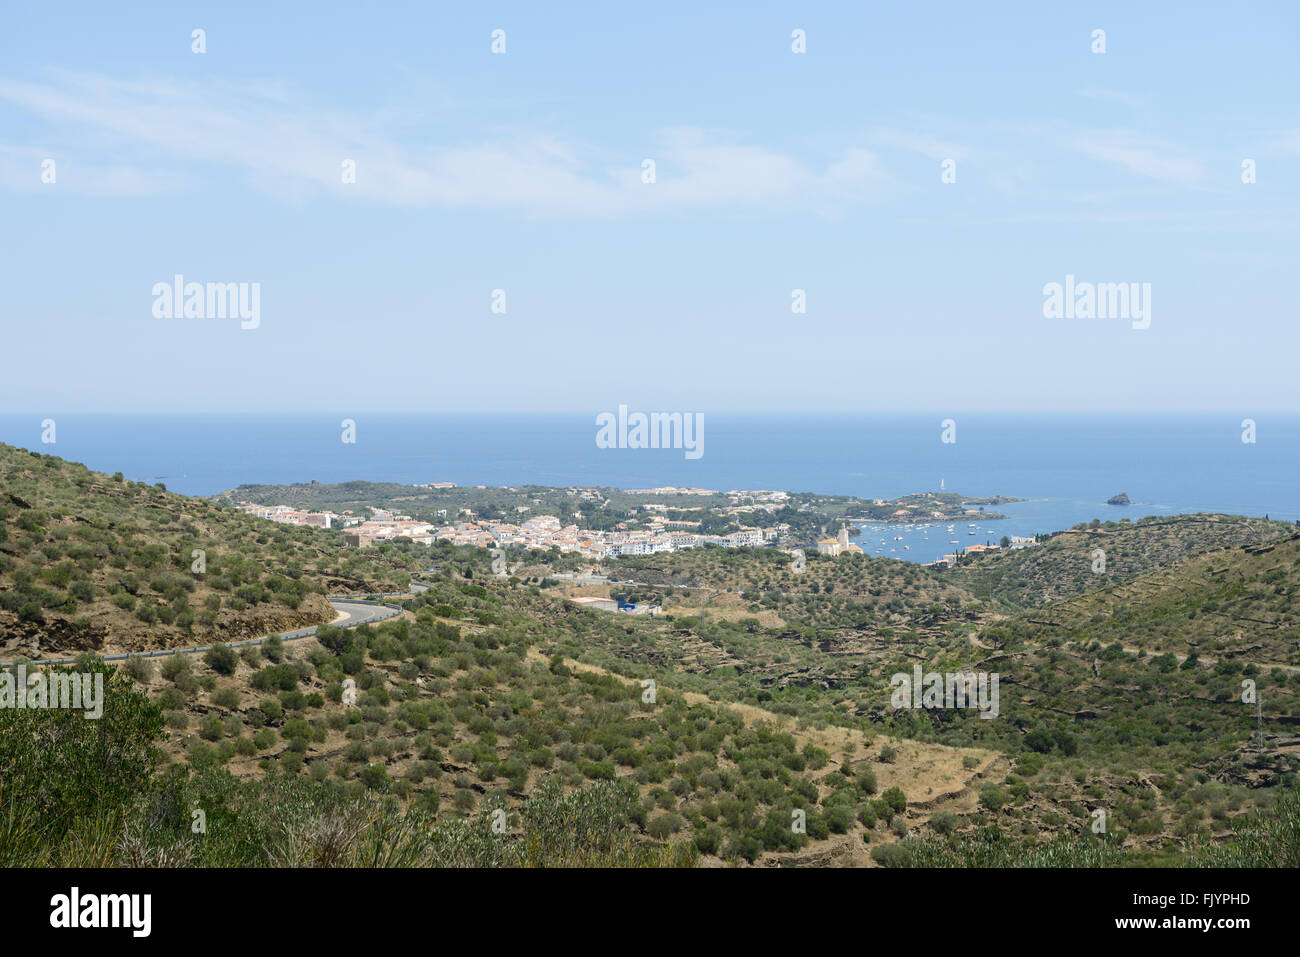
{"points": [[774, 171]]}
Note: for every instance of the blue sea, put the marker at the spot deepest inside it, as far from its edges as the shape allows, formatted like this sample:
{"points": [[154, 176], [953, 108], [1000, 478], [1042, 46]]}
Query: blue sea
{"points": [[1064, 466]]}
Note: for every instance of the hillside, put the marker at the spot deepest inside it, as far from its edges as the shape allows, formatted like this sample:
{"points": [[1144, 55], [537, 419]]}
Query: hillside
{"points": [[453, 719], [1238, 603], [760, 696], [1098, 708], [828, 596], [489, 688], [1067, 563], [94, 562]]}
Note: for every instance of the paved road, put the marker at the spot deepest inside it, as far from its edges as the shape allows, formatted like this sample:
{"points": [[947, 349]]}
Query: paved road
{"points": [[359, 611]]}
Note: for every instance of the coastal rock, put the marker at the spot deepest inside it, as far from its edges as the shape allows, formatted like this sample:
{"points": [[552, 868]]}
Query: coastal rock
{"points": [[1120, 499]]}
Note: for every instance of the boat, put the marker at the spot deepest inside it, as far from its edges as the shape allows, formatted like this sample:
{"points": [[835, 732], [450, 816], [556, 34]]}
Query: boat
{"points": [[954, 542], [970, 533]]}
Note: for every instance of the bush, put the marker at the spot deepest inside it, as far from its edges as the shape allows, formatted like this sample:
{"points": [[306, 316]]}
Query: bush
{"points": [[174, 667], [709, 840], [141, 669], [993, 797], [839, 818], [226, 698], [1039, 740], [222, 659], [866, 780], [895, 799], [276, 677], [665, 826], [745, 846], [944, 822], [375, 777], [891, 855]]}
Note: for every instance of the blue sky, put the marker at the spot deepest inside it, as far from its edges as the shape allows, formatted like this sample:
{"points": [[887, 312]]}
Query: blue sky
{"points": [[775, 171]]}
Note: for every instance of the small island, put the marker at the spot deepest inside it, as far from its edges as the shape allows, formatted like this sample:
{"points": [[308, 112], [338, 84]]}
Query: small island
{"points": [[1120, 499]]}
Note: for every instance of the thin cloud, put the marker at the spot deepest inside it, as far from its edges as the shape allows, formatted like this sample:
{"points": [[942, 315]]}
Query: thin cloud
{"points": [[282, 146], [923, 143], [1153, 160]]}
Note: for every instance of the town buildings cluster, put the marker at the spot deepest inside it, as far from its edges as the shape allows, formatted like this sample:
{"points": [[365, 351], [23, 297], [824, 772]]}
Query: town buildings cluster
{"points": [[659, 534], [547, 531], [289, 516]]}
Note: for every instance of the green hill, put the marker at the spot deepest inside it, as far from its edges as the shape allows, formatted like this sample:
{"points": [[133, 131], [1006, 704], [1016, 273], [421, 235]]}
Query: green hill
{"points": [[94, 562], [1235, 603], [760, 696], [1091, 556]]}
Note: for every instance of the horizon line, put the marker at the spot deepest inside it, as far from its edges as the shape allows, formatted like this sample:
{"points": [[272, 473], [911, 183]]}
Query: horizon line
{"points": [[533, 412]]}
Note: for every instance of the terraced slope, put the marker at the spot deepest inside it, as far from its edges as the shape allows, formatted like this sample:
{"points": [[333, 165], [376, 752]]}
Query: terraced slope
{"points": [[1239, 603], [94, 562], [1088, 557]]}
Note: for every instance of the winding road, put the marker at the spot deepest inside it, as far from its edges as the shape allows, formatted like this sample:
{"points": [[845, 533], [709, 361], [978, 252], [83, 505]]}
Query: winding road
{"points": [[355, 611]]}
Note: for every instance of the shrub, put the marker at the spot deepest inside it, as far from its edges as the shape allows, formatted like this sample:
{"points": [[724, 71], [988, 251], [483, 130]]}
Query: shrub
{"points": [[211, 729], [226, 698], [891, 855], [141, 669], [866, 780], [222, 659], [839, 818], [895, 799], [276, 677], [944, 822], [993, 797], [665, 826], [174, 666]]}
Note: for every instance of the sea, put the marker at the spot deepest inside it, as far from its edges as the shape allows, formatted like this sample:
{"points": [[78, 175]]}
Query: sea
{"points": [[1063, 466]]}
